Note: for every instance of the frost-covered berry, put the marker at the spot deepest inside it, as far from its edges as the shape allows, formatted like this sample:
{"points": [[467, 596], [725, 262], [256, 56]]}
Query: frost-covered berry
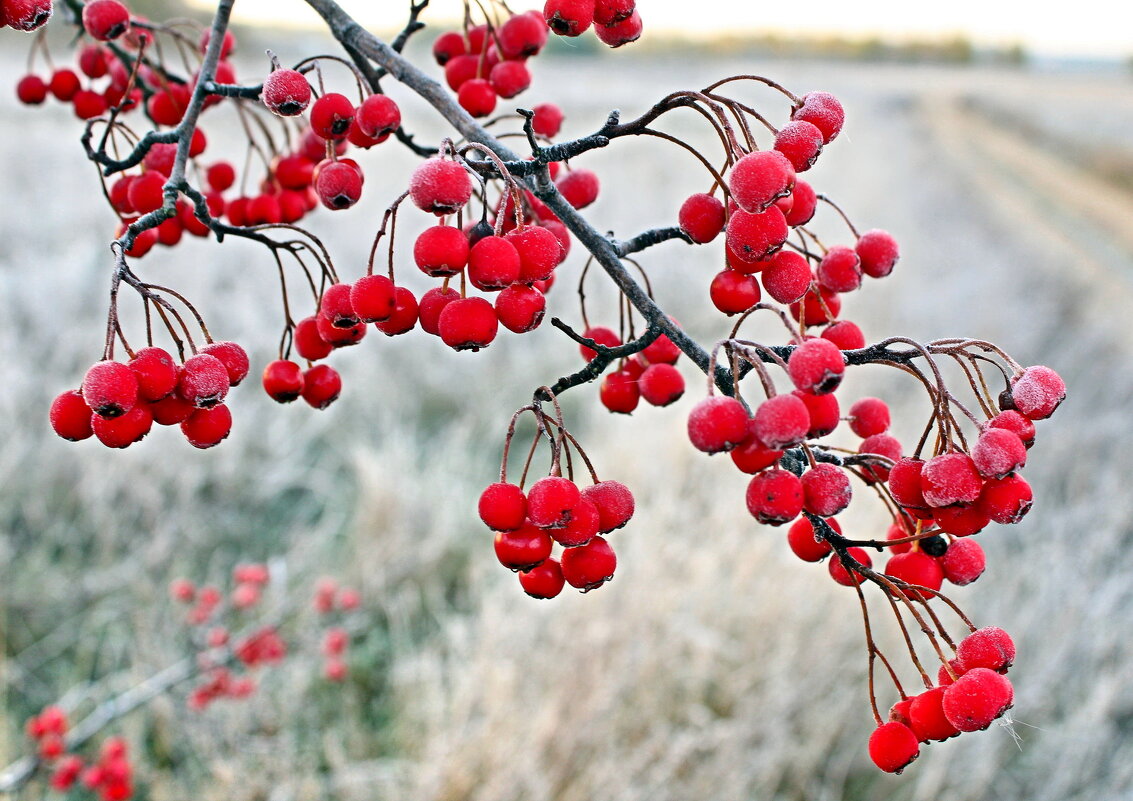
{"points": [[878, 253], [233, 357], [950, 478], [881, 445], [520, 308], [840, 270], [754, 237], [590, 565], [801, 142], [204, 380], [718, 423], [1038, 392], [961, 520], [551, 500], [816, 366], [155, 371], [775, 497], [990, 647], [998, 452], [963, 562], [441, 251], [579, 187], [787, 276], [1017, 424], [905, 483], [493, 263], [823, 411], [782, 421], [869, 416], [338, 185], [568, 17], [826, 490], [1006, 500], [110, 389], [547, 120], [124, 430], [977, 698], [824, 111], [614, 502], [845, 334], [286, 92], [581, 527], [468, 324], [522, 36], [105, 19], [440, 186], [758, 179], [378, 116]]}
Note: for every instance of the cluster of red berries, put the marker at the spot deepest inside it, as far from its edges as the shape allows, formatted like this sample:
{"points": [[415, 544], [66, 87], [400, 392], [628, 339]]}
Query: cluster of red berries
{"points": [[119, 403], [651, 376], [616, 22], [110, 775], [555, 510], [329, 599], [971, 693]]}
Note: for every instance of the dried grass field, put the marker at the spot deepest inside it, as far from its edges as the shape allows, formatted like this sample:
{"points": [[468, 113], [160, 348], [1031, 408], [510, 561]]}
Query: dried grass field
{"points": [[715, 665]]}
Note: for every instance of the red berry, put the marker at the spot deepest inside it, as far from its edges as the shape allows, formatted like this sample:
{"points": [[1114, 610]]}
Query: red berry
{"points": [[802, 541], [878, 253], [493, 263], [523, 35], [950, 478], [207, 427], [905, 483], [775, 497], [620, 33], [841, 574], [468, 324], [602, 336], [614, 503], [998, 452], [568, 17], [898, 531], [818, 306], [990, 647], [110, 389], [787, 276], [508, 79], [544, 581], [447, 46], [441, 251], [733, 292], [822, 110], [869, 416], [171, 410], [373, 298], [758, 179], [31, 90], [782, 421], [751, 455], [800, 142], [404, 316], [840, 270], [551, 500], [977, 698], [227, 44], [816, 366], [619, 392], [25, 15], [844, 334], [590, 565], [503, 507], [547, 120], [105, 19], [892, 746], [607, 12], [718, 423], [377, 116], [70, 416], [338, 185], [524, 548], [581, 527], [823, 411], [754, 237], [1016, 423], [307, 341], [124, 430], [295, 172], [927, 718], [64, 84], [702, 217], [917, 568], [477, 97], [1037, 392], [283, 381], [804, 201], [539, 252], [579, 187], [336, 306], [440, 186], [520, 308], [203, 381], [826, 490], [661, 384], [88, 104], [882, 445], [321, 386], [431, 305], [286, 92], [146, 192], [156, 373], [461, 69], [963, 562], [233, 357]]}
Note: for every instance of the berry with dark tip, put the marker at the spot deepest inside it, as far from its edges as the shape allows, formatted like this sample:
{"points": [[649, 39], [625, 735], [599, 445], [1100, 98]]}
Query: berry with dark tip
{"points": [[205, 428], [70, 416], [589, 566], [522, 549], [775, 497], [892, 746], [758, 179], [718, 423], [283, 381], [321, 386], [543, 581], [110, 389], [816, 366], [440, 186], [551, 500], [286, 92]]}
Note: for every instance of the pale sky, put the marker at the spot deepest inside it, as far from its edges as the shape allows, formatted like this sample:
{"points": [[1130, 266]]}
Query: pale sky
{"points": [[1085, 28]]}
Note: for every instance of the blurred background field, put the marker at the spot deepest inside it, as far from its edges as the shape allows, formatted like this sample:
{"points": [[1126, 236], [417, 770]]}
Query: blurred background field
{"points": [[715, 665]]}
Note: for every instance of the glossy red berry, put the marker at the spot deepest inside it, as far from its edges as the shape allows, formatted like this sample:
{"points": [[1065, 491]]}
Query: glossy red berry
{"points": [[31, 90], [917, 568], [286, 92], [64, 84], [977, 698], [803, 543], [1037, 392], [869, 416], [331, 116], [826, 490], [927, 718], [441, 251], [283, 381], [581, 526], [949, 479], [547, 120], [702, 217], [754, 237], [207, 427], [963, 562], [1006, 500], [493, 263], [338, 185], [892, 746], [523, 548], [579, 187], [841, 574], [461, 69], [602, 336], [544, 581], [448, 46], [110, 389], [509, 78], [88, 104], [404, 316], [845, 334], [824, 111], [522, 36], [377, 116], [233, 357], [823, 410], [620, 33], [804, 202], [431, 305], [840, 270], [568, 17], [775, 497], [321, 386], [520, 308], [818, 307], [468, 324], [878, 253], [800, 142], [477, 97], [961, 520], [171, 410], [619, 392], [373, 298], [589, 566], [307, 341], [124, 430], [551, 500], [105, 19], [70, 416], [440, 186], [156, 373], [661, 384], [758, 179], [503, 507], [203, 381], [816, 366], [733, 292]]}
